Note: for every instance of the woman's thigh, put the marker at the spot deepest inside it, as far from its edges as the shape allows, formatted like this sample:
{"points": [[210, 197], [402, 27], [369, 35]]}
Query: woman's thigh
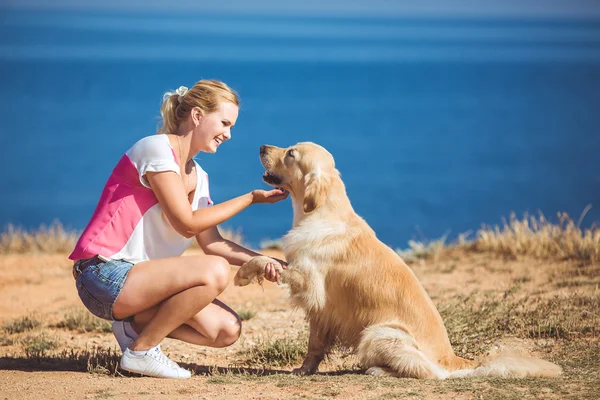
{"points": [[150, 282]]}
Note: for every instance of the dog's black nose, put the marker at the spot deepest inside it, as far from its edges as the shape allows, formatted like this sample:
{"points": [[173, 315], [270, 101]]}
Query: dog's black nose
{"points": [[263, 149]]}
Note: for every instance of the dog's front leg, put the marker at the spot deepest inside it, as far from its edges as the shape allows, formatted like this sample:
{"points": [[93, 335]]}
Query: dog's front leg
{"points": [[254, 269], [318, 347]]}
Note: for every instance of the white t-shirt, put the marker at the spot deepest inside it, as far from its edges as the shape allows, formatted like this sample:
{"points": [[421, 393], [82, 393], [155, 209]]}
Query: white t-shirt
{"points": [[128, 223]]}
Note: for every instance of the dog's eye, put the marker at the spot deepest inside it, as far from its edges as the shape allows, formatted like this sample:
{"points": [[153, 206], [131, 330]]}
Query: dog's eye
{"points": [[290, 153]]}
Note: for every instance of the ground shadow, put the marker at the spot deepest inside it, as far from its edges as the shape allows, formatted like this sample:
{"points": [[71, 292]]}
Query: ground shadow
{"points": [[107, 363], [45, 363], [256, 371]]}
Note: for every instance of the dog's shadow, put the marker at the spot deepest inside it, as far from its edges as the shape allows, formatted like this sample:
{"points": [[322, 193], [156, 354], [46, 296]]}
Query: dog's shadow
{"points": [[212, 370], [241, 370]]}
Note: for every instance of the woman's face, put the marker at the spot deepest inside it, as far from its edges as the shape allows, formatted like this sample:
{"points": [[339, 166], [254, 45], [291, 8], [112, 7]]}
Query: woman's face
{"points": [[214, 128]]}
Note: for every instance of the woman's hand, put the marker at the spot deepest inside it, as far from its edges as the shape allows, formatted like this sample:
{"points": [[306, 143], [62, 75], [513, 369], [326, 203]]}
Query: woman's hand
{"points": [[271, 273], [268, 197]]}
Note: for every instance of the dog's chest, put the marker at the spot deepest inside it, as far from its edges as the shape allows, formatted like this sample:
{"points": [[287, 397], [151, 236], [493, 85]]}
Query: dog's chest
{"points": [[309, 249]]}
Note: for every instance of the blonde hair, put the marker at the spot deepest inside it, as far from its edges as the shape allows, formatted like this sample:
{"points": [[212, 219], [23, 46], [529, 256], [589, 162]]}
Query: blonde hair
{"points": [[205, 94]]}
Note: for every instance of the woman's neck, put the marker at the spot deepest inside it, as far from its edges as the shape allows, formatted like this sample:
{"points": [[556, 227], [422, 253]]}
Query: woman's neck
{"points": [[184, 136], [182, 146]]}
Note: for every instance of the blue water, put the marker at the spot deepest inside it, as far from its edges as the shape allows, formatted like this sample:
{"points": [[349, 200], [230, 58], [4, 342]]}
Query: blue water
{"points": [[434, 131]]}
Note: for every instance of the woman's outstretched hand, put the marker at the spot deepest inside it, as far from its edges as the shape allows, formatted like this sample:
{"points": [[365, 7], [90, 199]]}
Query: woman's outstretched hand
{"points": [[269, 197], [271, 272]]}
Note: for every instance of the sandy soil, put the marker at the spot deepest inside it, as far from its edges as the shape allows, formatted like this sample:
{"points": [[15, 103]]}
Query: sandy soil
{"points": [[42, 285]]}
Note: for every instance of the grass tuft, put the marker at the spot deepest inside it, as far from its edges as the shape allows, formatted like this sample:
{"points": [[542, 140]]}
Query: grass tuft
{"points": [[101, 361], [529, 236], [424, 250], [277, 353], [47, 239], [474, 323], [269, 244], [246, 315], [22, 324], [540, 238], [36, 346], [82, 320]]}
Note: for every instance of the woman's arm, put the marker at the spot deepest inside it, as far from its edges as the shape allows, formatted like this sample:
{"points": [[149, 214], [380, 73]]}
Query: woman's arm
{"points": [[170, 192], [213, 243]]}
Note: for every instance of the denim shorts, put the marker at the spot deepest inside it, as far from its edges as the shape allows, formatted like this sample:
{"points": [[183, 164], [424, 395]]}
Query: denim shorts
{"points": [[99, 283]]}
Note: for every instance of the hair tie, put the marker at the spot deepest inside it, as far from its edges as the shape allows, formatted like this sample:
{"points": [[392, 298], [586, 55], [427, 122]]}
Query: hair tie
{"points": [[181, 91]]}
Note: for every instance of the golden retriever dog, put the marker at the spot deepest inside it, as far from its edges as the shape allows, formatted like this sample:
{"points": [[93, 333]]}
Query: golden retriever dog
{"points": [[356, 291]]}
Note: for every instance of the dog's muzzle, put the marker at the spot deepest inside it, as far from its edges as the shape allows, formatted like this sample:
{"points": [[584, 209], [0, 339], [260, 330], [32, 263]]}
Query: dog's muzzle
{"points": [[271, 178]]}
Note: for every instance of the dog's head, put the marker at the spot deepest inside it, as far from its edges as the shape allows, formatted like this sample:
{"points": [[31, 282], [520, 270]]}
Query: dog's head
{"points": [[305, 170]]}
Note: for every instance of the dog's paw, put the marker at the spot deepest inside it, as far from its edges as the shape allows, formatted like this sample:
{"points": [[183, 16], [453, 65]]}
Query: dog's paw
{"points": [[378, 371], [253, 269], [302, 371]]}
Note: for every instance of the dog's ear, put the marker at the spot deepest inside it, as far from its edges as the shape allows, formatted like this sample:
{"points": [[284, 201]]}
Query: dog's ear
{"points": [[314, 190]]}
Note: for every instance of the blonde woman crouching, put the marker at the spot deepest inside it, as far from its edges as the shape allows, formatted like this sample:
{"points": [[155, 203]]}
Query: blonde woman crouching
{"points": [[128, 262]]}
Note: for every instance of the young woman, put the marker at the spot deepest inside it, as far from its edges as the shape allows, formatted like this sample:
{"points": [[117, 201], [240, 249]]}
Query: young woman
{"points": [[128, 264]]}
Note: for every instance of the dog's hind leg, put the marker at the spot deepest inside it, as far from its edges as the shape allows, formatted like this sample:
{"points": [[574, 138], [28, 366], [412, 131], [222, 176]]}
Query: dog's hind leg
{"points": [[390, 350]]}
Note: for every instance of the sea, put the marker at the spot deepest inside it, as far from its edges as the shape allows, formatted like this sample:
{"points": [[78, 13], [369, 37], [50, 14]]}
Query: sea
{"points": [[439, 126]]}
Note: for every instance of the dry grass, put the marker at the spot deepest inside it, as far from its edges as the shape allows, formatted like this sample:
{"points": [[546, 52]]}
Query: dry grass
{"points": [[47, 239], [540, 238], [81, 320], [21, 324], [246, 315], [98, 360], [475, 322], [275, 353], [420, 250], [530, 236], [55, 239], [271, 244], [37, 344]]}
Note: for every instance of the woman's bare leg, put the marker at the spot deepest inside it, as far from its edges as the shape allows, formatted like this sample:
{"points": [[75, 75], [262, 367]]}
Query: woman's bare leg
{"points": [[180, 287], [216, 325]]}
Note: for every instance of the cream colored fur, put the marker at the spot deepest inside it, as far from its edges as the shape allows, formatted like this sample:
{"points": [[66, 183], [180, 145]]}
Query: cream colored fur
{"points": [[355, 290]]}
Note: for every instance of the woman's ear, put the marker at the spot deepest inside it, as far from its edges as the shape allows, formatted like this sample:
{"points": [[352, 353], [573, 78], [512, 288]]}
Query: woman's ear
{"points": [[197, 115]]}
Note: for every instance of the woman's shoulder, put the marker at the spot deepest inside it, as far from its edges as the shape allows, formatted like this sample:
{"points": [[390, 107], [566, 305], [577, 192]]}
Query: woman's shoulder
{"points": [[151, 146], [158, 140]]}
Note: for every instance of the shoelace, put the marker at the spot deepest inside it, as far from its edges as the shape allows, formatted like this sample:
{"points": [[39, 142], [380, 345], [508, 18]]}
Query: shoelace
{"points": [[158, 355]]}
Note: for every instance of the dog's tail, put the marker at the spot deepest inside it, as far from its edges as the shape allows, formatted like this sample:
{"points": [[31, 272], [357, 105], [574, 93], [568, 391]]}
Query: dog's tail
{"points": [[510, 364], [388, 349]]}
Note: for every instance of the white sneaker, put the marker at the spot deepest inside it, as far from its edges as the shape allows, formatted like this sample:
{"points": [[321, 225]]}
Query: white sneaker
{"points": [[124, 339], [153, 363]]}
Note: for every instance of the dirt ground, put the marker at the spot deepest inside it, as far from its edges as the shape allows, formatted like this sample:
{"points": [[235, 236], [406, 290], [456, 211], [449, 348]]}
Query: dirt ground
{"points": [[42, 286]]}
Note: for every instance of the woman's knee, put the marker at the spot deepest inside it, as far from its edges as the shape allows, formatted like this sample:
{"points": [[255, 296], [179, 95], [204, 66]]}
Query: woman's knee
{"points": [[219, 273], [230, 332]]}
